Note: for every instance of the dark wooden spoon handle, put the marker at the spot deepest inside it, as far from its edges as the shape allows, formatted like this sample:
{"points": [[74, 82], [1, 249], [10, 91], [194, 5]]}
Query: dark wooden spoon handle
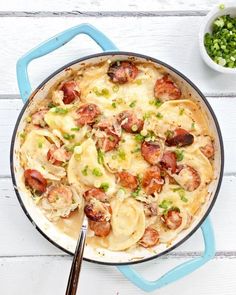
{"points": [[76, 264]]}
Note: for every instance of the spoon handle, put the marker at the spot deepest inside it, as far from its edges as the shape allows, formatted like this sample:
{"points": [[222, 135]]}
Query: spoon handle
{"points": [[77, 260]]}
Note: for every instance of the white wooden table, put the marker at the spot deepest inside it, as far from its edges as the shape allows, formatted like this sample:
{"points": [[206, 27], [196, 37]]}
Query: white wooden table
{"points": [[167, 30]]}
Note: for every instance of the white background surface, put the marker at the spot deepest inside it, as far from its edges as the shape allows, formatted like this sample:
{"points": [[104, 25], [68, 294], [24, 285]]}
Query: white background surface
{"points": [[167, 30]]}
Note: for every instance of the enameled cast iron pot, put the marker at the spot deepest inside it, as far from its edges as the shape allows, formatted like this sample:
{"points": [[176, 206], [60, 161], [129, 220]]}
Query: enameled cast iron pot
{"points": [[122, 259]]}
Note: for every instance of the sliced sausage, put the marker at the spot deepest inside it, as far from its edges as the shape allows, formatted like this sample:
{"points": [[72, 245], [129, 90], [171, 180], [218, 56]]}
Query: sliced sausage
{"points": [[165, 89], [150, 238], [168, 161], [152, 181], [88, 114], [62, 195], [127, 180], [101, 229], [70, 91], [151, 152], [180, 138], [38, 118], [111, 138], [167, 176], [172, 219], [96, 193], [150, 209], [190, 178], [122, 72], [109, 142], [98, 211], [129, 122], [57, 156], [35, 180], [208, 150]]}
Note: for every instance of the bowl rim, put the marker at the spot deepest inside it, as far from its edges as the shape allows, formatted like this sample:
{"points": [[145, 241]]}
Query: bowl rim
{"points": [[156, 61], [216, 11]]}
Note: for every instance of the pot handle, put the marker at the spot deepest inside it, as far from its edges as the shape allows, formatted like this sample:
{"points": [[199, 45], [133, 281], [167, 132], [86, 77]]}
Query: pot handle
{"points": [[178, 272], [52, 44]]}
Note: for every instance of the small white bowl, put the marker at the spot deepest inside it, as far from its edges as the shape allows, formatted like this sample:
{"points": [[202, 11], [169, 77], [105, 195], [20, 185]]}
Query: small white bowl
{"points": [[206, 28]]}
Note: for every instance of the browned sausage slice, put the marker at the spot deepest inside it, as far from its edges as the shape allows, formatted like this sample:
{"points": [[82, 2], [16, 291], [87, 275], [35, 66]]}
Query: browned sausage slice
{"points": [[127, 180], [98, 211], [122, 72], [168, 161], [166, 89], [180, 138], [110, 141], [191, 177], [96, 193], [208, 150], [172, 219], [88, 114], [62, 194], [70, 91], [101, 229], [35, 180], [129, 122], [57, 156], [152, 181], [151, 152], [150, 238]]}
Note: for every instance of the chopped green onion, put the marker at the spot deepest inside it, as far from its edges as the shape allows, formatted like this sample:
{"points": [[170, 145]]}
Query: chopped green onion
{"points": [[22, 135], [220, 43], [165, 204], [159, 115], [181, 193], [122, 155], [60, 111], [40, 144], [68, 136], [193, 126], [136, 192], [104, 92], [221, 6], [133, 104], [104, 186], [179, 155], [139, 137], [113, 105], [115, 88], [100, 157], [85, 170], [75, 129], [134, 128], [97, 172]]}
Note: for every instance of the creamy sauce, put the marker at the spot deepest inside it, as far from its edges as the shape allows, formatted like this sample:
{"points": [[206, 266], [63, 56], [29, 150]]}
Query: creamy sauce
{"points": [[71, 225]]}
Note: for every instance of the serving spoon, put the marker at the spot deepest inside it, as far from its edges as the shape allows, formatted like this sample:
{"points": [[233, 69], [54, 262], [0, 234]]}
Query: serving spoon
{"points": [[77, 261]]}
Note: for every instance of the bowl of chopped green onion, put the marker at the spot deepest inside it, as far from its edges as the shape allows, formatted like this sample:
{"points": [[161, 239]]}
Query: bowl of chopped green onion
{"points": [[218, 39]]}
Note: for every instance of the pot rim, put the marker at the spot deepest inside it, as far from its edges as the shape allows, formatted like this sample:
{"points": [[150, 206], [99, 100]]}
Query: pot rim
{"points": [[156, 61]]}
